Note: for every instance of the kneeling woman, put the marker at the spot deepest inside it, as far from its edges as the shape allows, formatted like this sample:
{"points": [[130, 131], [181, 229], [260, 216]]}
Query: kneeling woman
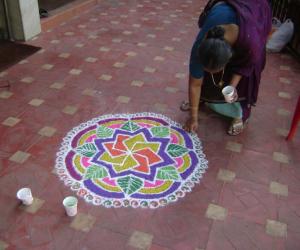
{"points": [[229, 50]]}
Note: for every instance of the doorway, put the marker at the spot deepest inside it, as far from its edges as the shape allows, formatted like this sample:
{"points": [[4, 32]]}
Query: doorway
{"points": [[50, 5]]}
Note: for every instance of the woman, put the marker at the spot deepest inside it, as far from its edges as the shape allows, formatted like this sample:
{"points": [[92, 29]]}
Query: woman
{"points": [[229, 50]]}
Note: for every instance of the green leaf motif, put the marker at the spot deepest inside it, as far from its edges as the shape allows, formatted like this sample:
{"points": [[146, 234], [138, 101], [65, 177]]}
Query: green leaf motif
{"points": [[88, 150], [130, 126], [104, 132], [168, 173], [130, 184], [176, 150], [160, 131], [95, 172]]}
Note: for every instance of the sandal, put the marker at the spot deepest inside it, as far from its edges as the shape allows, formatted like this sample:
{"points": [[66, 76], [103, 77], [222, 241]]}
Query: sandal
{"points": [[237, 126], [43, 13], [185, 106]]}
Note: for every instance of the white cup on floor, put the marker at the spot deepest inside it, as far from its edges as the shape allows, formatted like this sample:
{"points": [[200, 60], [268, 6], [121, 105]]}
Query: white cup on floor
{"points": [[70, 204], [228, 93], [25, 195]]}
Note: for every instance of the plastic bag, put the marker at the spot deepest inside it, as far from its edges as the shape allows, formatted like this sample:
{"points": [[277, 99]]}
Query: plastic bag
{"points": [[281, 37]]}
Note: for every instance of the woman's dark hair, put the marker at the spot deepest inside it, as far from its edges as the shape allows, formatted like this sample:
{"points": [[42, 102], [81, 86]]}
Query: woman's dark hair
{"points": [[214, 52]]}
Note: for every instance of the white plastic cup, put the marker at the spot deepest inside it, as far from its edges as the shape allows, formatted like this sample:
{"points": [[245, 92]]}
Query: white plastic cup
{"points": [[70, 204], [24, 194], [228, 93]]}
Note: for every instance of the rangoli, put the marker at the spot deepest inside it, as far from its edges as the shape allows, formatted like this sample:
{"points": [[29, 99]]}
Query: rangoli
{"points": [[137, 160]]}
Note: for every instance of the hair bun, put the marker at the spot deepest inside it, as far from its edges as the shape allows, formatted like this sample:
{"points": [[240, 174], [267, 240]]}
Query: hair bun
{"points": [[216, 32]]}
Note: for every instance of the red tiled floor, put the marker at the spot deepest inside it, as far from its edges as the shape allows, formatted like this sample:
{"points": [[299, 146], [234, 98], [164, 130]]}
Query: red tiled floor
{"points": [[235, 233], [94, 90]]}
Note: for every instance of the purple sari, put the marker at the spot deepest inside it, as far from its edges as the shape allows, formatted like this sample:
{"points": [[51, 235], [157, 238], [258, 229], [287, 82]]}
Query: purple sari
{"points": [[254, 21]]}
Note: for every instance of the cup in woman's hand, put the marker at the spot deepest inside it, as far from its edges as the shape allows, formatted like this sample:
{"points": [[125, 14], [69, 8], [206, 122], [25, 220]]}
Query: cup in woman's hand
{"points": [[228, 93]]}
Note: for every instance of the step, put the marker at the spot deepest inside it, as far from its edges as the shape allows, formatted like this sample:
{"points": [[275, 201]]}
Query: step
{"points": [[66, 12]]}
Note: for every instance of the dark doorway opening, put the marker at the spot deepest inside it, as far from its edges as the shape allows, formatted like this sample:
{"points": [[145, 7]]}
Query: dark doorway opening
{"points": [[50, 5]]}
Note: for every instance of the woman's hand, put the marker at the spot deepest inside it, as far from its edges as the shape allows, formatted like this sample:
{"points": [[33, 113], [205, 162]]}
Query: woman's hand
{"points": [[191, 125], [234, 83], [235, 96]]}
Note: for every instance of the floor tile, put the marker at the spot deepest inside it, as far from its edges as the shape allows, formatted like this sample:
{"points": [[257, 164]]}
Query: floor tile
{"points": [[159, 58], [3, 245], [216, 212], [57, 85], [123, 99], [283, 112], [280, 157], [91, 59], [89, 92], [105, 77], [119, 65], [284, 80], [19, 157], [278, 189], [79, 45], [131, 53], [142, 44], [226, 175], [47, 131], [137, 83], [3, 73], [27, 79], [64, 55], [168, 48], [285, 68], [234, 147], [235, 233], [140, 240], [282, 132], [11, 121], [160, 107], [116, 40], [92, 37], [284, 95], [180, 75], [171, 90], [36, 102], [83, 222], [276, 228], [104, 49], [70, 110], [5, 94], [34, 207], [75, 71], [47, 66], [55, 41], [23, 62], [149, 69]]}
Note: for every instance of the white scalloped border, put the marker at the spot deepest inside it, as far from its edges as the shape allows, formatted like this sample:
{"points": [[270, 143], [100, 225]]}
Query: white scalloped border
{"points": [[185, 187]]}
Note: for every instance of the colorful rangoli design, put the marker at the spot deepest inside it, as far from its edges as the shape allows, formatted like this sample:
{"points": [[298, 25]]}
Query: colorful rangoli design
{"points": [[137, 160]]}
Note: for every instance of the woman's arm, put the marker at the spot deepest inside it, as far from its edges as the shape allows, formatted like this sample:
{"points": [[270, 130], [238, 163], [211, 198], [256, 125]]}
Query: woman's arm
{"points": [[195, 84], [194, 95], [235, 80]]}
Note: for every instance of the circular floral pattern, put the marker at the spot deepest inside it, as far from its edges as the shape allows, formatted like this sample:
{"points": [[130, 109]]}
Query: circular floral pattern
{"points": [[138, 160]]}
